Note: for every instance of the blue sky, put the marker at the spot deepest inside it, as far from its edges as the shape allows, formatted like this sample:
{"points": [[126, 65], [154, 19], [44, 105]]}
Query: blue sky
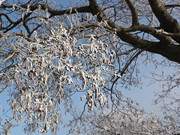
{"points": [[144, 95]]}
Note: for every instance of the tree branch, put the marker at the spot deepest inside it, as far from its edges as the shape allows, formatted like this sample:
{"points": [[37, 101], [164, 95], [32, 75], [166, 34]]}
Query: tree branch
{"points": [[133, 12], [172, 5], [167, 22], [169, 25]]}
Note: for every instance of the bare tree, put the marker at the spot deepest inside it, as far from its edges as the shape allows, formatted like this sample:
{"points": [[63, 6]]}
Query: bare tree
{"points": [[165, 31], [50, 52], [124, 118]]}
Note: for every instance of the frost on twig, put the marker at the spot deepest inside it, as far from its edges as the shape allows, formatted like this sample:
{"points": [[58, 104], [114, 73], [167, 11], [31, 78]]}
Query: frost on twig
{"points": [[49, 69]]}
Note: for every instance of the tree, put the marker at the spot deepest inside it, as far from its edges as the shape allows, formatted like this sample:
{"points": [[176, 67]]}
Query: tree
{"points": [[166, 32], [127, 119], [49, 53]]}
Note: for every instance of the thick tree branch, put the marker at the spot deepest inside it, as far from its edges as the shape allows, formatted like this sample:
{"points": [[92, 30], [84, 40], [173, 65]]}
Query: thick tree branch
{"points": [[56, 12], [171, 52], [52, 11], [167, 22], [133, 12], [164, 46]]}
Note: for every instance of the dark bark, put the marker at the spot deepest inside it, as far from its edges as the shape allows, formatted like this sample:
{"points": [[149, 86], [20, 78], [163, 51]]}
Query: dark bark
{"points": [[166, 34], [167, 22]]}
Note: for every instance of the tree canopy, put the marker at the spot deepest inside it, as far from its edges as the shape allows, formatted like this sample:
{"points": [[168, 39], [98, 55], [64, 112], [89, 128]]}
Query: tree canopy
{"points": [[52, 50]]}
